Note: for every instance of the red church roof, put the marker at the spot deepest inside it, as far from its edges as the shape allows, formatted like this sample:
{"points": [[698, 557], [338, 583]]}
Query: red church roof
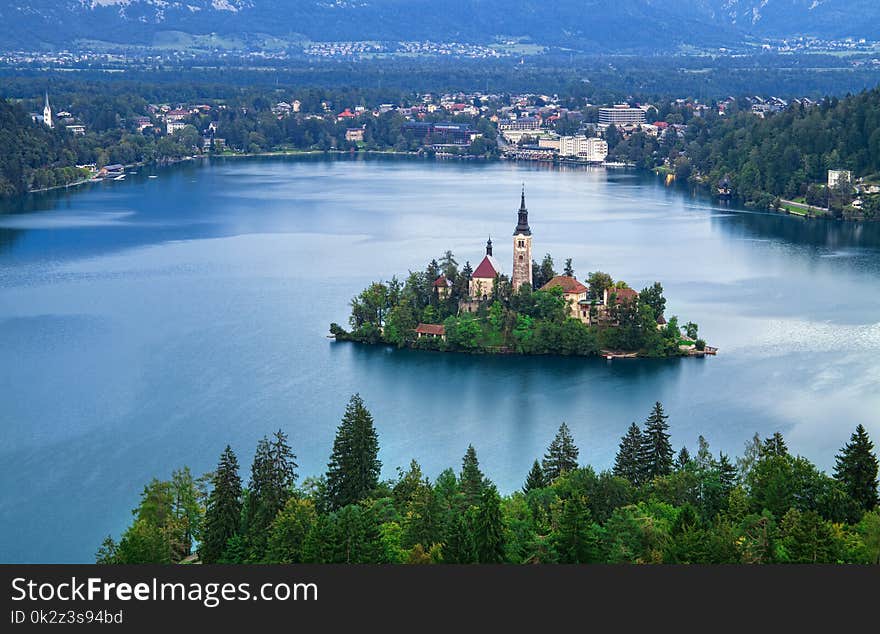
{"points": [[442, 282], [488, 268]]}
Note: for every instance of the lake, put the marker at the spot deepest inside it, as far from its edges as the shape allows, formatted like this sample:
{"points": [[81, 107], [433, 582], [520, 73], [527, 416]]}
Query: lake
{"points": [[147, 323]]}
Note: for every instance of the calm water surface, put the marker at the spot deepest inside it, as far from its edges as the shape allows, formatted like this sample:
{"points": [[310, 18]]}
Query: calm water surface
{"points": [[144, 324]]}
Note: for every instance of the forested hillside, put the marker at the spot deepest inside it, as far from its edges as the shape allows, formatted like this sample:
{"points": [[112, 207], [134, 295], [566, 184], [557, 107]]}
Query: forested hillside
{"points": [[787, 154], [32, 155]]}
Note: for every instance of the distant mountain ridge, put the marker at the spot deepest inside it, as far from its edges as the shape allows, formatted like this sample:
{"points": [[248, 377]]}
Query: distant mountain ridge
{"points": [[583, 25]]}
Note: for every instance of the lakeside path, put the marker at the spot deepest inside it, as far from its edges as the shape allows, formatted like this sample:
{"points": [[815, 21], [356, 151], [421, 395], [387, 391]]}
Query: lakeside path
{"points": [[793, 207]]}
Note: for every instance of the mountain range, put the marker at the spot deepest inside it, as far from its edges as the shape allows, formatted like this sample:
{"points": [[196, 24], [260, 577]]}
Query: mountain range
{"points": [[581, 25]]}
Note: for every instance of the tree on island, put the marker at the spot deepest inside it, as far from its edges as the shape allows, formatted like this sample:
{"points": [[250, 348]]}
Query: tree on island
{"points": [[544, 272], [569, 269], [656, 452], [653, 297], [598, 282], [223, 511], [561, 456], [448, 266], [433, 271], [627, 463], [856, 468], [461, 283], [354, 467]]}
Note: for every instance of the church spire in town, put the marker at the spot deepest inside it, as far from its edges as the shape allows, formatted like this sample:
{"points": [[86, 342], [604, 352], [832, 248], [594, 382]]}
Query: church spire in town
{"points": [[47, 112]]}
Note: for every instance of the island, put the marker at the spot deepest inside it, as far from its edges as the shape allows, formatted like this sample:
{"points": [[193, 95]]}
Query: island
{"points": [[532, 311]]}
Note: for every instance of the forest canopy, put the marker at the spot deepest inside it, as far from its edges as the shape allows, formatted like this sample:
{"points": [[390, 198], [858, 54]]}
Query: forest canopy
{"points": [[655, 505]]}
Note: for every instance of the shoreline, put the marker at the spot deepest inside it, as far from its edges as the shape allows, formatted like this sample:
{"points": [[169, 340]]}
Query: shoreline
{"points": [[606, 355], [701, 186]]}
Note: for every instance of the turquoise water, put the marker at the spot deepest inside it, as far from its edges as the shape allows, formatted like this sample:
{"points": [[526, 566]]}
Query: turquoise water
{"points": [[144, 324]]}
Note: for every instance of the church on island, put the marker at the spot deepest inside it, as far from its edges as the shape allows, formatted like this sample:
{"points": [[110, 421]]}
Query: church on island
{"points": [[483, 283]]}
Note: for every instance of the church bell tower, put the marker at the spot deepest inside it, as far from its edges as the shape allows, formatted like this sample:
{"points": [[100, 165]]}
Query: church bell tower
{"points": [[522, 247]]}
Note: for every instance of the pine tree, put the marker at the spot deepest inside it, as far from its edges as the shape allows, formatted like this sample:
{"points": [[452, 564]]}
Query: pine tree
{"points": [[449, 266], [273, 475], [489, 533], [561, 456], [726, 474], [569, 269], [856, 469], [107, 553], [471, 479], [774, 446], [423, 517], [535, 479], [656, 452], [459, 546], [467, 271], [572, 536], [462, 282], [354, 467], [408, 483], [683, 460], [627, 463], [223, 512]]}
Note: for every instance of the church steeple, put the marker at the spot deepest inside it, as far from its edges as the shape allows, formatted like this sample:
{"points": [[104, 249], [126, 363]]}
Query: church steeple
{"points": [[522, 247], [47, 112], [489, 246], [522, 225]]}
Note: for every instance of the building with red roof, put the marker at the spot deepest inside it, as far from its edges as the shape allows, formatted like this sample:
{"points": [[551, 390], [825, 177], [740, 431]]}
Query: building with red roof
{"points": [[620, 295], [575, 294], [442, 286], [483, 278], [432, 331]]}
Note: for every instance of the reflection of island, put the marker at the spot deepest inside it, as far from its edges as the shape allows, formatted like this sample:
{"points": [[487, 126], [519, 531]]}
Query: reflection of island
{"points": [[536, 311]]}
